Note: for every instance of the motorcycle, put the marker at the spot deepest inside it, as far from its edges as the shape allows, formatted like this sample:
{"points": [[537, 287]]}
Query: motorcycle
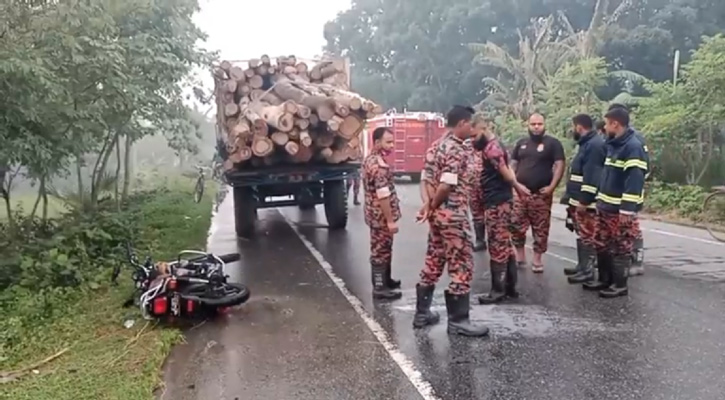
{"points": [[192, 286]]}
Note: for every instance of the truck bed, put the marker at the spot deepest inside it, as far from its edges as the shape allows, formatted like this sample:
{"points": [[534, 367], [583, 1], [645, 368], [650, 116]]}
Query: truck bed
{"points": [[284, 174]]}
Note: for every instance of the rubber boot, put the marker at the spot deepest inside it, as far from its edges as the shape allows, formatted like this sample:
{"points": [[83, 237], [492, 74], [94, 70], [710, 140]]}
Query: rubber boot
{"points": [[637, 258], [459, 322], [380, 291], [620, 274], [604, 272], [389, 281], [587, 260], [512, 277], [578, 267], [498, 282], [423, 315], [355, 201], [480, 231]]}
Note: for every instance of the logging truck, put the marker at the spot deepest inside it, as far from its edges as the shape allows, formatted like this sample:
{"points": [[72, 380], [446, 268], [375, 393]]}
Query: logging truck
{"points": [[290, 134]]}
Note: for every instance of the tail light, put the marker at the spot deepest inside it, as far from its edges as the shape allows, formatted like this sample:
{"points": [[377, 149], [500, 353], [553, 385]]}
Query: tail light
{"points": [[189, 306], [161, 305], [172, 284]]}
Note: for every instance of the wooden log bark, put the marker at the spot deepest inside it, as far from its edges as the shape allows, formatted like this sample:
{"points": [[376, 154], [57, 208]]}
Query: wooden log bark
{"points": [[230, 86], [225, 66], [241, 154], [237, 74], [256, 81], [349, 99], [280, 138], [304, 155], [294, 134], [243, 90], [262, 146], [291, 148], [305, 138], [230, 110], [341, 110], [254, 63], [258, 124], [301, 68], [275, 116], [290, 106], [249, 72], [351, 126], [302, 123], [303, 111], [335, 123], [314, 120]]}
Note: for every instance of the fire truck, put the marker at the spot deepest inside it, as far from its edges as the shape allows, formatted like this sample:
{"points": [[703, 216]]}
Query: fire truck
{"points": [[413, 132]]}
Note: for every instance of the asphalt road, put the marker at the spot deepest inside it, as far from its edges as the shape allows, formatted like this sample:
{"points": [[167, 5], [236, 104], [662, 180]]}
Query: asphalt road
{"points": [[312, 331]]}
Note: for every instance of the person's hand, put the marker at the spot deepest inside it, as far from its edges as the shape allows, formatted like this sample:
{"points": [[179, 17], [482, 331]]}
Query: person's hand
{"points": [[393, 227], [581, 207], [546, 191], [522, 190], [423, 213]]}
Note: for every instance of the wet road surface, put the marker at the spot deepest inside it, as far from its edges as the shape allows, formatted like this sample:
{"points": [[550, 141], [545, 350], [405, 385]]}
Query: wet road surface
{"points": [[312, 331]]}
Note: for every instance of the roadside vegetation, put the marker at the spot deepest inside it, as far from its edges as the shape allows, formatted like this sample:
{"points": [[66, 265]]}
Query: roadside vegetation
{"points": [[95, 129], [561, 58]]}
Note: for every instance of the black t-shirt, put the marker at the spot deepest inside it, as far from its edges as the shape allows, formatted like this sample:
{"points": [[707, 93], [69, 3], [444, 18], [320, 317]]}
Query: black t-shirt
{"points": [[535, 168], [495, 189]]}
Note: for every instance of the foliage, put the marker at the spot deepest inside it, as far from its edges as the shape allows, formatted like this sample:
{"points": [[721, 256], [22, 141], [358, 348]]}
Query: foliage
{"points": [[681, 200], [78, 76], [42, 316], [686, 122]]}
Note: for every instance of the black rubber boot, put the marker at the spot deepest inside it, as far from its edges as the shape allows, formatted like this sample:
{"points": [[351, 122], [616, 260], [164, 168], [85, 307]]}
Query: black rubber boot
{"points": [[512, 277], [355, 201], [498, 282], [480, 231], [620, 274], [604, 272], [459, 322], [578, 267], [637, 267], [380, 291], [587, 260], [423, 315], [389, 281]]}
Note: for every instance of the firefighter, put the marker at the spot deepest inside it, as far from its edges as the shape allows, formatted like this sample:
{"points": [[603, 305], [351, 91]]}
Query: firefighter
{"points": [[539, 163], [382, 211], [581, 191], [618, 199], [447, 191], [477, 207], [497, 181], [638, 255]]}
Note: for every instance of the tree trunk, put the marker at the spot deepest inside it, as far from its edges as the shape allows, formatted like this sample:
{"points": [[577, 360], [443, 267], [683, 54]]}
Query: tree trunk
{"points": [[37, 200], [98, 172], [127, 168], [116, 191]]}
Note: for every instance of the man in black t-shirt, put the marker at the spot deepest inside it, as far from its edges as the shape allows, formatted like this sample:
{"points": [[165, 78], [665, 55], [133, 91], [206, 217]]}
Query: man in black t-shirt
{"points": [[497, 182], [539, 163]]}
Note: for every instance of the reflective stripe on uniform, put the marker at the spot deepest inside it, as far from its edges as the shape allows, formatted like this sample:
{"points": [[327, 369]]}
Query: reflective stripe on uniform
{"points": [[576, 178], [589, 189]]}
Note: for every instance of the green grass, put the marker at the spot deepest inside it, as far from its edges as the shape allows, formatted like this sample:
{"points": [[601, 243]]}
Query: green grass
{"points": [[25, 201], [104, 360]]}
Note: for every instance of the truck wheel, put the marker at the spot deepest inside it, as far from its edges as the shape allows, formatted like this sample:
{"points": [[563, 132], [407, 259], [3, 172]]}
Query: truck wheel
{"points": [[335, 199], [245, 211], [415, 178]]}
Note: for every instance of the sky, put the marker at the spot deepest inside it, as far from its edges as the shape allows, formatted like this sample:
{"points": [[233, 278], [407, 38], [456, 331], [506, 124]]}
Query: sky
{"points": [[244, 29]]}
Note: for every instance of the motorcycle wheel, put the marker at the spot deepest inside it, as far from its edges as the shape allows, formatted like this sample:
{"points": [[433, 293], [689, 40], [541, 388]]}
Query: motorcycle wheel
{"points": [[223, 295]]}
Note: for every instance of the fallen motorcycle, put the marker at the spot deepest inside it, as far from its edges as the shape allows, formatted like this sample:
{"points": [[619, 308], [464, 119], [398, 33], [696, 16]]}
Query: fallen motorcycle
{"points": [[192, 286]]}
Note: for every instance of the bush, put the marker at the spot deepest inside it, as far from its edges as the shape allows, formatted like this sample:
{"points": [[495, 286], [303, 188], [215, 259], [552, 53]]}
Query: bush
{"points": [[682, 200]]}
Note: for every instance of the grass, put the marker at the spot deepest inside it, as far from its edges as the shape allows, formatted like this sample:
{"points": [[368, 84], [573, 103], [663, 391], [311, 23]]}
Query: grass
{"points": [[103, 359], [25, 201]]}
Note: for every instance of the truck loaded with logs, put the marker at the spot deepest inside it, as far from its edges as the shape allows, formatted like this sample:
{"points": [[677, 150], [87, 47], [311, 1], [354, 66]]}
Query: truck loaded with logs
{"points": [[290, 133]]}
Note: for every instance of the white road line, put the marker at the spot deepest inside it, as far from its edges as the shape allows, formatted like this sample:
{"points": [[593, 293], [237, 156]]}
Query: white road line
{"points": [[677, 235], [408, 367]]}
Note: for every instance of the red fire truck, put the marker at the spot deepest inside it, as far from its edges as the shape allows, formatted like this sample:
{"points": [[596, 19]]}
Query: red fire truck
{"points": [[414, 132]]}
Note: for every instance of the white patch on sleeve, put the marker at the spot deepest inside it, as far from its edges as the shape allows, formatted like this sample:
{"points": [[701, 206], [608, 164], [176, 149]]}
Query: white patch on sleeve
{"points": [[449, 178], [383, 192]]}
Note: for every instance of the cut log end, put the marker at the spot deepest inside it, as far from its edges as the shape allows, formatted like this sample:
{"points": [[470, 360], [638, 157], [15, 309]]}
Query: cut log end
{"points": [[262, 146], [231, 110], [291, 148]]}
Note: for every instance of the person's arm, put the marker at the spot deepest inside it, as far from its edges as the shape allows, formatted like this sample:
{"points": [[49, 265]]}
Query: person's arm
{"points": [[635, 168], [495, 154], [559, 164], [451, 171], [593, 165], [383, 193]]}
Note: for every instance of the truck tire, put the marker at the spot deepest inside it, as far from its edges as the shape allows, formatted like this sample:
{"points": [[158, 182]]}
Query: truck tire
{"points": [[415, 178], [335, 200], [245, 211]]}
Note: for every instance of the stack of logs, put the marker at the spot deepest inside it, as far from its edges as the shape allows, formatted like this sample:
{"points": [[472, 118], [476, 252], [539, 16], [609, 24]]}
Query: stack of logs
{"points": [[286, 112]]}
